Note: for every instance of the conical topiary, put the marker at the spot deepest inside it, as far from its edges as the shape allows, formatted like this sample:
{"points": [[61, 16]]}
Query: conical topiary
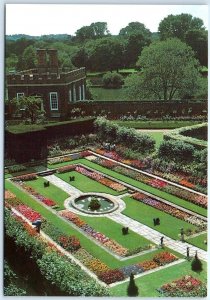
{"points": [[196, 264], [132, 289]]}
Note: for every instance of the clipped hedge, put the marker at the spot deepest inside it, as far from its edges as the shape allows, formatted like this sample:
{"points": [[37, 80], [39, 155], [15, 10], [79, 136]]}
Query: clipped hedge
{"points": [[57, 269], [109, 131], [179, 135]]}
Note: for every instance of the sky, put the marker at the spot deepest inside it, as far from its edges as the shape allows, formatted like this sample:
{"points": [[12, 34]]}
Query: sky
{"points": [[40, 19]]}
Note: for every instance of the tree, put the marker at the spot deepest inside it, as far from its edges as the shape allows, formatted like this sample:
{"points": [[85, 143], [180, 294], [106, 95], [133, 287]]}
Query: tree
{"points": [[30, 106], [136, 37], [188, 29], [196, 264], [93, 31], [104, 54], [177, 26], [169, 70], [28, 60], [132, 289]]}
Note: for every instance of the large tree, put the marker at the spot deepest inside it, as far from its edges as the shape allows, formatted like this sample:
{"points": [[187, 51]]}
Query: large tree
{"points": [[93, 31], [135, 36], [188, 29], [169, 71]]}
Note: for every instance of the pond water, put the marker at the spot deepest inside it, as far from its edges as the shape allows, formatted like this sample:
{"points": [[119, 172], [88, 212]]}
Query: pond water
{"points": [[83, 203]]}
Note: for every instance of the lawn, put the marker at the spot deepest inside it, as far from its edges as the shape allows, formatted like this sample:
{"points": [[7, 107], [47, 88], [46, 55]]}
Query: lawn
{"points": [[157, 136], [100, 93], [149, 284], [51, 192], [85, 184], [113, 230], [147, 124], [66, 228], [143, 213], [198, 241], [171, 198]]}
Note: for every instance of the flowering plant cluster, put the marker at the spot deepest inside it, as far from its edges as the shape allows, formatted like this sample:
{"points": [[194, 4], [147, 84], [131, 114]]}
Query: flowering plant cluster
{"points": [[173, 211], [112, 276], [100, 237], [38, 196], [26, 177], [8, 195], [70, 243], [28, 212], [101, 179], [69, 157], [66, 169], [184, 286], [164, 258], [187, 183], [159, 184]]}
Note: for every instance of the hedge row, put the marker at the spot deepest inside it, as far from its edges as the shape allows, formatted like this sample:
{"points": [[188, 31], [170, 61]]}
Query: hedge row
{"points": [[57, 269]]}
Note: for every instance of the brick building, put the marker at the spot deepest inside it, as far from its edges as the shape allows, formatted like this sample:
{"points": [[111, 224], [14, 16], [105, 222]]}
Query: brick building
{"points": [[57, 89]]}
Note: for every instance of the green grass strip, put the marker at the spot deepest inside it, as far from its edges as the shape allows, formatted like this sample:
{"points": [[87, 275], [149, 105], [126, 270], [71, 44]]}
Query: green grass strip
{"points": [[51, 192], [113, 230], [144, 213], [171, 198], [198, 241], [66, 228], [85, 184], [149, 284]]}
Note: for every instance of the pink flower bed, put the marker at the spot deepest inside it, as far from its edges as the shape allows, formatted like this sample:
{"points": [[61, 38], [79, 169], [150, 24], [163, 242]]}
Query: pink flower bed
{"points": [[49, 202]]}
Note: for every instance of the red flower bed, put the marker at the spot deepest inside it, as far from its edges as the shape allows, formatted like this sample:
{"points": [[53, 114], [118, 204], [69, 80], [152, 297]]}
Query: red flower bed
{"points": [[157, 183], [28, 212], [49, 202], [112, 276], [164, 258]]}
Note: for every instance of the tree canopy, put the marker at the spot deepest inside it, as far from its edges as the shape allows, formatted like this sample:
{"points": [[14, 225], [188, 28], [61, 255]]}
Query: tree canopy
{"points": [[169, 71], [188, 29]]}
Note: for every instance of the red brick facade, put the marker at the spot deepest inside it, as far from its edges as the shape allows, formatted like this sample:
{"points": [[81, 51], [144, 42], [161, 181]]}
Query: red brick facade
{"points": [[56, 88]]}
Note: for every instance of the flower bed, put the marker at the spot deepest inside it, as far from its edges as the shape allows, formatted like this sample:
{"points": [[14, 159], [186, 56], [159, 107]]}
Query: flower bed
{"points": [[157, 183], [184, 286], [28, 212], [27, 177], [112, 276], [100, 237], [69, 157], [66, 169], [164, 258], [70, 243], [8, 195], [173, 211]]}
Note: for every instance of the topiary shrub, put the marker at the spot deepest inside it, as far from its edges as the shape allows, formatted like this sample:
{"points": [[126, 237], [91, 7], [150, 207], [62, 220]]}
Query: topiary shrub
{"points": [[196, 264], [112, 80], [94, 204], [132, 289]]}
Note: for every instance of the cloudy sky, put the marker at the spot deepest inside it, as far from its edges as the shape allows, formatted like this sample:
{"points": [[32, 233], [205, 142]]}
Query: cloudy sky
{"points": [[39, 19]]}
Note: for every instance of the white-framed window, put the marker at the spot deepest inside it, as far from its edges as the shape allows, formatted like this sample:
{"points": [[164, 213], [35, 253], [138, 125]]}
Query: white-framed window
{"points": [[19, 95], [74, 93], [54, 101], [80, 92]]}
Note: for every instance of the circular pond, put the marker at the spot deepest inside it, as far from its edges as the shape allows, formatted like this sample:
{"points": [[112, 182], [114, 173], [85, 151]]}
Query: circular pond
{"points": [[95, 204]]}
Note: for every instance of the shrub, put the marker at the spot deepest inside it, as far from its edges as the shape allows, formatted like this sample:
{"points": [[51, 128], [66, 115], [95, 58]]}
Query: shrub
{"points": [[132, 289], [112, 80], [176, 150], [16, 168], [94, 204], [196, 264]]}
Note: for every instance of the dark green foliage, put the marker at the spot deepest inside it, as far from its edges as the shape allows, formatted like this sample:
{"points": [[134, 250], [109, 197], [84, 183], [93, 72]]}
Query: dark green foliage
{"points": [[10, 288], [176, 150], [94, 204], [196, 264], [64, 274], [132, 290], [112, 80], [109, 131]]}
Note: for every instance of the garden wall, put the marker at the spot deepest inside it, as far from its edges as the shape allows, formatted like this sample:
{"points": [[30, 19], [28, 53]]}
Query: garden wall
{"points": [[24, 147], [150, 109]]}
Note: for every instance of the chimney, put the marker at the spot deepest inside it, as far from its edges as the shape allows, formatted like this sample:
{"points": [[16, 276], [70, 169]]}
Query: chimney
{"points": [[53, 60], [42, 60]]}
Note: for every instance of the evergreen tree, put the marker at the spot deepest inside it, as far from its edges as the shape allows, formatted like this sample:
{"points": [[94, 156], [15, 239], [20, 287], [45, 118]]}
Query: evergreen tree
{"points": [[132, 289]]}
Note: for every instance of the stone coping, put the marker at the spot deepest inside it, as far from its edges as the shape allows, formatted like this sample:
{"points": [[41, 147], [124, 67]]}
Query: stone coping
{"points": [[72, 201]]}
